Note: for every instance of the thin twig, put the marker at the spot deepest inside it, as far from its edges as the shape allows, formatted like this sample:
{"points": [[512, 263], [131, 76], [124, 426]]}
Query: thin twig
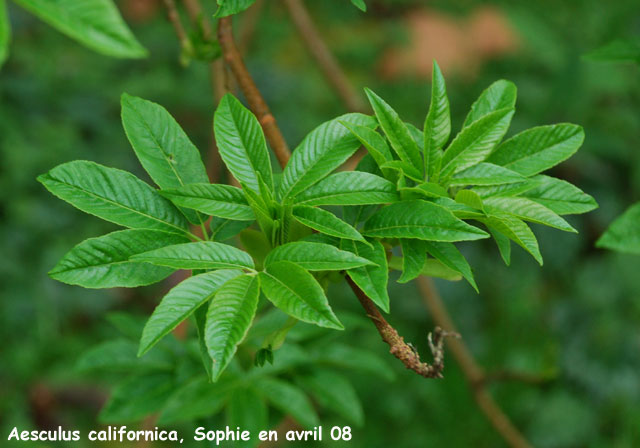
{"points": [[174, 18], [217, 81], [472, 372], [257, 104], [323, 56], [398, 347]]}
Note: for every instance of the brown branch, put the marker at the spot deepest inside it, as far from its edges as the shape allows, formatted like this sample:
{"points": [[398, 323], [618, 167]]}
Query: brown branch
{"points": [[473, 373], [257, 104], [398, 347], [323, 56]]}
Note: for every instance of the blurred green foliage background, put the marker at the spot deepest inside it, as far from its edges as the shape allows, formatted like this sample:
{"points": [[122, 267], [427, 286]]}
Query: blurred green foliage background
{"points": [[575, 321]]}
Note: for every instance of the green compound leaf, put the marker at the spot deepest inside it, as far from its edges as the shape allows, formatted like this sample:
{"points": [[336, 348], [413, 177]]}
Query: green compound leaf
{"points": [[437, 125], [94, 23], [316, 256], [516, 230], [198, 255], [475, 142], [375, 144], [228, 319], [527, 210], [113, 195], [450, 256], [137, 397], [325, 222], [623, 234], [538, 149], [223, 229], [323, 150], [499, 95], [396, 131], [241, 143], [103, 262], [349, 188], [223, 201], [296, 292], [421, 220], [414, 256], [559, 196], [230, 7], [163, 148], [372, 279], [290, 400], [486, 174], [180, 303], [334, 392]]}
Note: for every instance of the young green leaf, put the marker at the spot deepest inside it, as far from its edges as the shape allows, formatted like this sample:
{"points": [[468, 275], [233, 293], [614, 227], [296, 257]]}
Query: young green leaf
{"points": [[323, 150], [422, 220], [5, 32], [228, 319], [200, 320], [414, 256], [137, 397], [516, 230], [486, 174], [396, 131], [219, 200], [375, 144], [316, 256], [475, 142], [230, 7], [437, 125], [325, 222], [559, 196], [349, 188], [103, 262], [404, 168], [527, 210], [470, 198], [431, 268], [360, 4], [334, 392], [499, 95], [180, 303], [296, 292], [428, 190], [290, 400], [261, 207], [163, 148], [223, 229], [113, 195], [538, 149], [504, 245], [198, 255], [450, 256], [94, 23], [241, 143], [372, 279], [623, 234]]}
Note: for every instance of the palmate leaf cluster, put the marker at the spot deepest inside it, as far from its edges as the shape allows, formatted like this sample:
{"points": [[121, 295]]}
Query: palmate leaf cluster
{"points": [[309, 225]]}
